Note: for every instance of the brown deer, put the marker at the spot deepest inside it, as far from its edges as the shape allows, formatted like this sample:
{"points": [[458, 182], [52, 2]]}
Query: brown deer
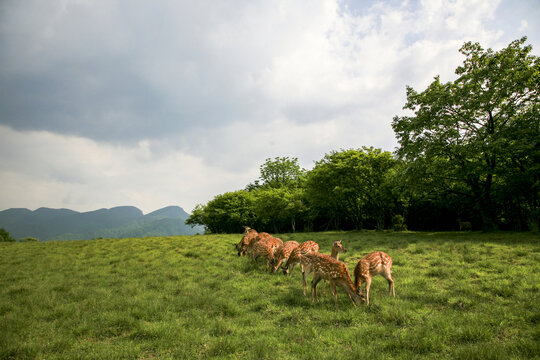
{"points": [[337, 248], [304, 248], [336, 272], [249, 237], [283, 253], [376, 263], [266, 248]]}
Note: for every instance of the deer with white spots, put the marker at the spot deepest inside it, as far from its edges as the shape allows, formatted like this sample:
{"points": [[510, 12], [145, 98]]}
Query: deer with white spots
{"points": [[266, 248], [283, 253], [376, 263], [304, 248], [248, 239], [337, 248], [336, 272]]}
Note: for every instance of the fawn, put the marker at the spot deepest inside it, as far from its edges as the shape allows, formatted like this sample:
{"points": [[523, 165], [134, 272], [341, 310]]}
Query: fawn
{"points": [[283, 253], [376, 263], [304, 248], [325, 267]]}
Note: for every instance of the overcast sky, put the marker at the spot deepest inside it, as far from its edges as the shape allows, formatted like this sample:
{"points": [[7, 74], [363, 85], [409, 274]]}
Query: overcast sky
{"points": [[157, 103]]}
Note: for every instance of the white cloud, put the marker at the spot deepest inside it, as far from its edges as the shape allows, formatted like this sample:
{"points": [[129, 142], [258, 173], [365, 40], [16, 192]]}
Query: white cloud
{"points": [[46, 169]]}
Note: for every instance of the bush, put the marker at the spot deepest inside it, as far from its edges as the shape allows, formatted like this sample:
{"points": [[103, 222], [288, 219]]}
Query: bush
{"points": [[28, 239], [398, 223], [4, 236]]}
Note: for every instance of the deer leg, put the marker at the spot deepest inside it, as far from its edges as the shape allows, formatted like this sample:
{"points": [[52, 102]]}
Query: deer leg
{"points": [[391, 288], [277, 264], [334, 291], [304, 283], [368, 284], [314, 282]]}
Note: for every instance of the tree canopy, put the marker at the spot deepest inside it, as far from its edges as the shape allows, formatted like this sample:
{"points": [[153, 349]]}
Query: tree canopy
{"points": [[478, 135], [468, 150]]}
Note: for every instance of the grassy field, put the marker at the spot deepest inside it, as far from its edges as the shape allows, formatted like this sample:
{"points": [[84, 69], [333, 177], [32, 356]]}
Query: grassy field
{"points": [[458, 296]]}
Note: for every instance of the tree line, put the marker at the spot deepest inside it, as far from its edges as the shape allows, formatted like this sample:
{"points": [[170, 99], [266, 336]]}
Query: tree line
{"points": [[468, 151]]}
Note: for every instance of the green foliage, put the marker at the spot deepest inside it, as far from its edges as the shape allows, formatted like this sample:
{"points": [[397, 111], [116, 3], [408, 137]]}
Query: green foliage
{"points": [[398, 223], [352, 186], [478, 135], [5, 236], [469, 150], [226, 213], [458, 295], [28, 239], [278, 173]]}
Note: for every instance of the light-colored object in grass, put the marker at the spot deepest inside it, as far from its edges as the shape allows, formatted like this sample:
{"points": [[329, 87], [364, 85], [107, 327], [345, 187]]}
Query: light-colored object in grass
{"points": [[325, 267], [464, 225], [304, 248], [283, 253], [376, 263]]}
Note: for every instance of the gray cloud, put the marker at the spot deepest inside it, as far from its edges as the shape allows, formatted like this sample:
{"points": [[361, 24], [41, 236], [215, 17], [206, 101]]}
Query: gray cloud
{"points": [[190, 89]]}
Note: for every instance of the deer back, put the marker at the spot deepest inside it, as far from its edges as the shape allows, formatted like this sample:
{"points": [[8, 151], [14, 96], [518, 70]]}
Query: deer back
{"points": [[372, 264], [285, 250]]}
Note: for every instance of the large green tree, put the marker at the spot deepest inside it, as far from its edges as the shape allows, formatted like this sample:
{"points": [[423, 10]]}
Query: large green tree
{"points": [[478, 135], [351, 186], [226, 213], [279, 172]]}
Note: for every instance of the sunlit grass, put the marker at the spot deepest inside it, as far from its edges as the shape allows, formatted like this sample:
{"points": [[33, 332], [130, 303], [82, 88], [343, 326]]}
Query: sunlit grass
{"points": [[458, 295]]}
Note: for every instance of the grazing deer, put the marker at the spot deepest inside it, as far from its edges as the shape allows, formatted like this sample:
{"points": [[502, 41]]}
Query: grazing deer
{"points": [[249, 237], [266, 248], [376, 263], [304, 248], [336, 272], [464, 225], [283, 253]]}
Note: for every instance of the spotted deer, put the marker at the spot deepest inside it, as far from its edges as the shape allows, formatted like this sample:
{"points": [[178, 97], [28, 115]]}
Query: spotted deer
{"points": [[283, 253], [337, 248], [376, 263], [336, 272], [304, 248], [249, 237], [266, 248]]}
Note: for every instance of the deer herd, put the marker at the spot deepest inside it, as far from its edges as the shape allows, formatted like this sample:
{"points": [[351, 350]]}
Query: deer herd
{"points": [[287, 255]]}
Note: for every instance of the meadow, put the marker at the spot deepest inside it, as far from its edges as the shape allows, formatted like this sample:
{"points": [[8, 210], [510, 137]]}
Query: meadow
{"points": [[463, 295]]}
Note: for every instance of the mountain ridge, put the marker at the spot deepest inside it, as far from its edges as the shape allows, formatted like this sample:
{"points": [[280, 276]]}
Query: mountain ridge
{"points": [[122, 221]]}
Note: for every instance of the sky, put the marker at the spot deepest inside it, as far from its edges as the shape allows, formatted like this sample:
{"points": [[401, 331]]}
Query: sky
{"points": [[158, 103]]}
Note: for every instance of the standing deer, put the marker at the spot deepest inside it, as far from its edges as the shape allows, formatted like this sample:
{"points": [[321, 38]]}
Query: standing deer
{"points": [[337, 248], [376, 263], [283, 253], [336, 272], [304, 248]]}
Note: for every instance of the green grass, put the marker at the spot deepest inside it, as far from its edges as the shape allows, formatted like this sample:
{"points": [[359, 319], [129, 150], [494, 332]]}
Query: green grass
{"points": [[458, 296]]}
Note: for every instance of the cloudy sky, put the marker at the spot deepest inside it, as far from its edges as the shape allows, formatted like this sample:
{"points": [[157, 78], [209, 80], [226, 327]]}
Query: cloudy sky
{"points": [[157, 103]]}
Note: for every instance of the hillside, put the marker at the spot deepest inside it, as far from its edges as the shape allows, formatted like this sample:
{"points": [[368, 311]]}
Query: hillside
{"points": [[458, 296], [124, 221]]}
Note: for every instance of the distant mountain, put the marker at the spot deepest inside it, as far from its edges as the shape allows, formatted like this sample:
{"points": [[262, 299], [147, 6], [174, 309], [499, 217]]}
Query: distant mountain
{"points": [[123, 221]]}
